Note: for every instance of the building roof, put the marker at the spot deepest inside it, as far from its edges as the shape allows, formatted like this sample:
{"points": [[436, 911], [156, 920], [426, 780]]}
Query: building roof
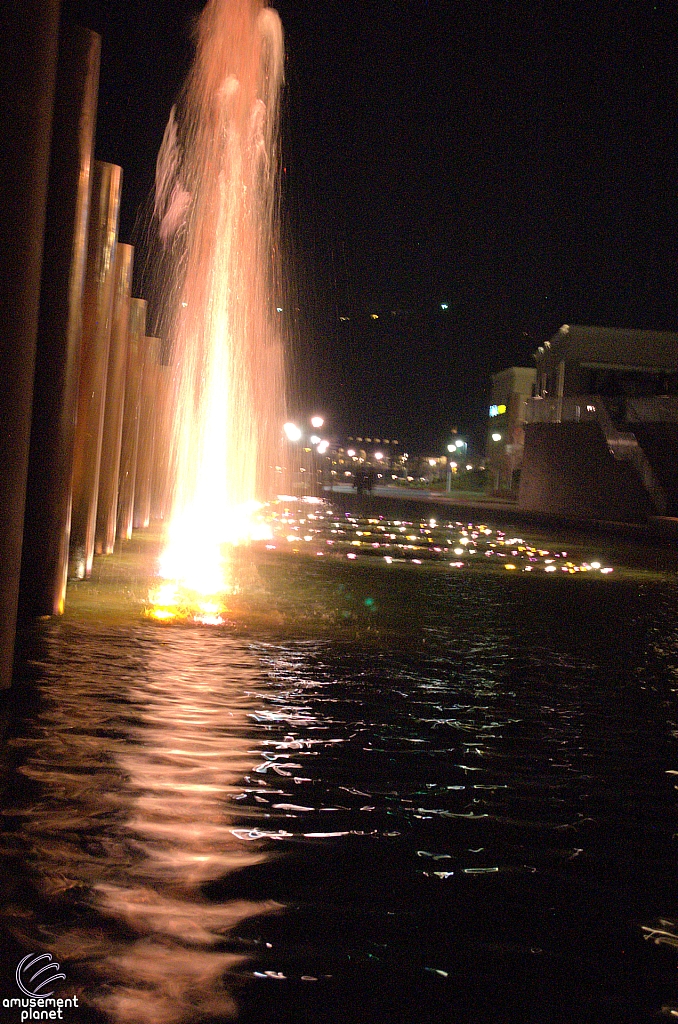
{"points": [[611, 347]]}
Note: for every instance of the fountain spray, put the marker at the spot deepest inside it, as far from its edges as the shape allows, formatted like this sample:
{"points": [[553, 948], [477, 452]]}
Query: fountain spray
{"points": [[216, 204]]}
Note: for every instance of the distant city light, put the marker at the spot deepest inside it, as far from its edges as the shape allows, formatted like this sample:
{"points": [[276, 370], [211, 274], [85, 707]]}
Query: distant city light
{"points": [[497, 410], [351, 452], [315, 439], [450, 447], [378, 456], [496, 437], [459, 444], [374, 316], [278, 309], [317, 422], [292, 432], [444, 305], [322, 447]]}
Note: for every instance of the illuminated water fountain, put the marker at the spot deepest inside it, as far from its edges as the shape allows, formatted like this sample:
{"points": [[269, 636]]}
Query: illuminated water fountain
{"points": [[216, 203]]}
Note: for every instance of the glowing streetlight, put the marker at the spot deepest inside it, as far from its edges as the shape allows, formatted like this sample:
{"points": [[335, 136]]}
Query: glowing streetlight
{"points": [[315, 439], [496, 437], [378, 456], [292, 432], [317, 422]]}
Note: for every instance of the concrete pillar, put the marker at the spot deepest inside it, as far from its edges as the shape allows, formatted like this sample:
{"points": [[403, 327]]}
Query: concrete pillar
{"points": [[28, 56], [147, 420], [97, 313], [560, 384], [107, 504], [130, 422], [48, 501]]}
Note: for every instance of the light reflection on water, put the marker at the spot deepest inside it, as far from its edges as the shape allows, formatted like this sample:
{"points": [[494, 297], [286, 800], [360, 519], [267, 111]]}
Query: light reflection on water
{"points": [[323, 828], [131, 759]]}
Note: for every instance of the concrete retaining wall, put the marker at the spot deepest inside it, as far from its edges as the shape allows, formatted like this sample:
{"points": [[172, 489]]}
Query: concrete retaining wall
{"points": [[568, 470]]}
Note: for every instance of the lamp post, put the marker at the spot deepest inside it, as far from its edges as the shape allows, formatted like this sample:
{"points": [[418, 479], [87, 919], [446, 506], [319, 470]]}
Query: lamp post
{"points": [[318, 446], [458, 447]]}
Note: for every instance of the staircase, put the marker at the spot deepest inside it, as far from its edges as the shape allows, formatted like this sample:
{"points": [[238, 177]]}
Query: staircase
{"points": [[624, 445]]}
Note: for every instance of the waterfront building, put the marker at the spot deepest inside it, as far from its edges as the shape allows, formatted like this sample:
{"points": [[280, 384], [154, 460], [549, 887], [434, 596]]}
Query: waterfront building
{"points": [[505, 436], [601, 432]]}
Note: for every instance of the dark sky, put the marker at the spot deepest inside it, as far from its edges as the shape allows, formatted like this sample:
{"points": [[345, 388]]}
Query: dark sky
{"points": [[516, 161]]}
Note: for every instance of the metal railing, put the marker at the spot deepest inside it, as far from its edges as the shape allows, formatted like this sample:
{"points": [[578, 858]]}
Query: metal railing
{"points": [[653, 409], [569, 409]]}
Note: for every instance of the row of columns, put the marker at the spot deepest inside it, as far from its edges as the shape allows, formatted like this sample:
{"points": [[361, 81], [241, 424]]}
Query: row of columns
{"points": [[28, 59], [83, 418]]}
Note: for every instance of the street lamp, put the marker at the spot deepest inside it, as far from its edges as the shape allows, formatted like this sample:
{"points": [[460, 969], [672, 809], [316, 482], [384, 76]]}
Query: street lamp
{"points": [[458, 447], [292, 432]]}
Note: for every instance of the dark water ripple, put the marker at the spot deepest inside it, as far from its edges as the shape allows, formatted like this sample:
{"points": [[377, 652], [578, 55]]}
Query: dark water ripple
{"points": [[472, 818]]}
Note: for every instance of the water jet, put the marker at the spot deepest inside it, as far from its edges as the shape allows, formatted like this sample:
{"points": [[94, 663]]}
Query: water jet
{"points": [[216, 207]]}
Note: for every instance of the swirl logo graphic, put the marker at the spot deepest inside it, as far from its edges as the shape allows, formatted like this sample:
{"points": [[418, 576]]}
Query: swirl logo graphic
{"points": [[35, 972]]}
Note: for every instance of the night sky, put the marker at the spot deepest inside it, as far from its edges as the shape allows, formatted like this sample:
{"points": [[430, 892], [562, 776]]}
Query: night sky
{"points": [[515, 161]]}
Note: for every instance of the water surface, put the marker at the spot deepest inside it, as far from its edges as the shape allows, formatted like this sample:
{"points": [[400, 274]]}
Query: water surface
{"points": [[411, 794]]}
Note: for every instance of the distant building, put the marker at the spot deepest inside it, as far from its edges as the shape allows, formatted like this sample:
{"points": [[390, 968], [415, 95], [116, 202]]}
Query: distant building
{"points": [[601, 434], [380, 454], [608, 362], [505, 438]]}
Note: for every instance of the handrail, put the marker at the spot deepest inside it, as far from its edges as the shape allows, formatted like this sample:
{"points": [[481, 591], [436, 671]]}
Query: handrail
{"points": [[621, 443], [624, 445]]}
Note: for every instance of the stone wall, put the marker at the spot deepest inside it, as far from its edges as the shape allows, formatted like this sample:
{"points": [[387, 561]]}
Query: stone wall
{"points": [[568, 470]]}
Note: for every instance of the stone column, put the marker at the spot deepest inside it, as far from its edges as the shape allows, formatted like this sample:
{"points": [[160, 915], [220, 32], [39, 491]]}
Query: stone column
{"points": [[107, 504], [130, 422], [28, 58], [97, 313], [48, 501]]}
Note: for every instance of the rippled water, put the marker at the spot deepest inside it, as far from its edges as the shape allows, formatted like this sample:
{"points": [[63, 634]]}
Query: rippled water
{"points": [[415, 796]]}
